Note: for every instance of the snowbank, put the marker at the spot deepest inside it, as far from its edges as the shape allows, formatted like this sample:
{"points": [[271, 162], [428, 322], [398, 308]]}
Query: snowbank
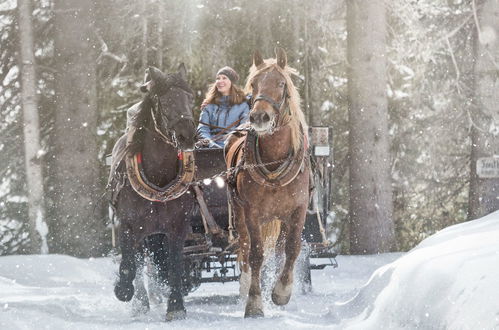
{"points": [[449, 281]]}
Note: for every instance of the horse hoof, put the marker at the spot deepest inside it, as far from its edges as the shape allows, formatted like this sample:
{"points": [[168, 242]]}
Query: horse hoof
{"points": [[123, 292], [176, 315], [280, 300], [253, 313], [281, 293]]}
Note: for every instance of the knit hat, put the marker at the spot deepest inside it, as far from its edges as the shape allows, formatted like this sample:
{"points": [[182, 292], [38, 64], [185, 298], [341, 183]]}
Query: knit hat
{"points": [[230, 73]]}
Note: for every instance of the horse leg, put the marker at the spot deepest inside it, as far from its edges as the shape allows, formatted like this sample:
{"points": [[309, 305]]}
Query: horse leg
{"points": [[141, 301], [175, 310], [284, 286], [272, 257], [158, 272], [254, 304], [123, 289], [244, 246]]}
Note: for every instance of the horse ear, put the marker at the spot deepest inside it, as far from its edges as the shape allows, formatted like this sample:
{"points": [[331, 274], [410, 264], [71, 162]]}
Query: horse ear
{"points": [[257, 58], [182, 71], [282, 59], [147, 83], [154, 73]]}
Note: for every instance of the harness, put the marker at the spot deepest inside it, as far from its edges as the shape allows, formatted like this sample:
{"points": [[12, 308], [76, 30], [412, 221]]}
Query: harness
{"points": [[135, 173], [243, 154], [148, 190]]}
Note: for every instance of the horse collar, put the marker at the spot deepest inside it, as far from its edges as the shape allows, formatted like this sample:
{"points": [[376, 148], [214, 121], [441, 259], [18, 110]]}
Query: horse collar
{"points": [[282, 176], [151, 192]]}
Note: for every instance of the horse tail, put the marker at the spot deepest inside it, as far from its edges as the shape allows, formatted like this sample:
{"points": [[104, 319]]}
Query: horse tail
{"points": [[270, 232]]}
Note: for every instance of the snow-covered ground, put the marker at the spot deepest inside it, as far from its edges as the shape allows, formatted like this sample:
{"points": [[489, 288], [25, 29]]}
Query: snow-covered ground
{"points": [[449, 281]]}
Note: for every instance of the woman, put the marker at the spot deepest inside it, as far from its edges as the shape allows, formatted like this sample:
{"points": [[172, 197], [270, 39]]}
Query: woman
{"points": [[223, 109]]}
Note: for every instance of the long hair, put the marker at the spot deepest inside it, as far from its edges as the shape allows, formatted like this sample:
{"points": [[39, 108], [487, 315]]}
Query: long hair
{"points": [[236, 95], [299, 127]]}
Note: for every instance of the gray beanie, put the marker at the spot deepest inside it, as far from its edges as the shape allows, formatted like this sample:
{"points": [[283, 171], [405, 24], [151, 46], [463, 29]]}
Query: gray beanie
{"points": [[230, 73]]}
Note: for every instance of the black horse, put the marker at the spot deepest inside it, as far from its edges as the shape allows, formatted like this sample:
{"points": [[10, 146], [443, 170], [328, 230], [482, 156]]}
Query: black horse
{"points": [[149, 184]]}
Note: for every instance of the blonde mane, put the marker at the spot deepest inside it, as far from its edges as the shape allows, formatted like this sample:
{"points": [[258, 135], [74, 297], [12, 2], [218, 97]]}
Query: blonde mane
{"points": [[295, 118]]}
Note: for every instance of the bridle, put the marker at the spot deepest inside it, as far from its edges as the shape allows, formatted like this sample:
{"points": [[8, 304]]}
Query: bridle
{"points": [[169, 138], [277, 106]]}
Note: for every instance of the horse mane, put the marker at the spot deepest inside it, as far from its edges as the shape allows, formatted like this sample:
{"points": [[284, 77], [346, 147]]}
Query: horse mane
{"points": [[139, 120], [296, 117]]}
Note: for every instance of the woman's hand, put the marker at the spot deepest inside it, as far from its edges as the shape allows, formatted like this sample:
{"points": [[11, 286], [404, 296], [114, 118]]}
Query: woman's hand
{"points": [[207, 143]]}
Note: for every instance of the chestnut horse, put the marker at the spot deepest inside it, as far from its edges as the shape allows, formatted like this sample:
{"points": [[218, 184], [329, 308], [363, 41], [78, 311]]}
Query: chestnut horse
{"points": [[151, 170], [270, 184]]}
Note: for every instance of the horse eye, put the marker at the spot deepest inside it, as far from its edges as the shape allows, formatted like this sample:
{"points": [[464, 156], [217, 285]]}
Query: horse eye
{"points": [[282, 84]]}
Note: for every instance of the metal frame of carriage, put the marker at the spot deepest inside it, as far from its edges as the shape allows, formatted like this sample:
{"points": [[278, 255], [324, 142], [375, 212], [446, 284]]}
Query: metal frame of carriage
{"points": [[206, 263]]}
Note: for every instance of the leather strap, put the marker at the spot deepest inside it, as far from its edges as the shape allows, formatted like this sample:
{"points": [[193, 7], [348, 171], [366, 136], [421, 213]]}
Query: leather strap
{"points": [[173, 190], [283, 175], [223, 129]]}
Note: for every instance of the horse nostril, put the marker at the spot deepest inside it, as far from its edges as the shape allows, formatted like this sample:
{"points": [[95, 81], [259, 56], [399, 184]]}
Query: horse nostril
{"points": [[265, 118], [252, 118]]}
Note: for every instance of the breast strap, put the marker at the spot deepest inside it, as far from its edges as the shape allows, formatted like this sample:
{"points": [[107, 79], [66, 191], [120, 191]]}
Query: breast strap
{"points": [[283, 175]]}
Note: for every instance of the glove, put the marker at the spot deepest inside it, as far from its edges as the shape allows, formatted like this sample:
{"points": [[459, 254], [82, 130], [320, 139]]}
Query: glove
{"points": [[212, 144], [207, 143]]}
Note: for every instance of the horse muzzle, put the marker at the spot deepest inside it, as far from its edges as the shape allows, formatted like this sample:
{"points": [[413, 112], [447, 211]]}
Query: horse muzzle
{"points": [[262, 122]]}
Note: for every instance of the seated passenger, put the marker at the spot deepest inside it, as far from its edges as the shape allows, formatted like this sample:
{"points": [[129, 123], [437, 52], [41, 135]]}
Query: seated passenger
{"points": [[223, 109]]}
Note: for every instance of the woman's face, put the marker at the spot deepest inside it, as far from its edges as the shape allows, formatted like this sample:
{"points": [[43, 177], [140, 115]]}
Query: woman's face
{"points": [[223, 84]]}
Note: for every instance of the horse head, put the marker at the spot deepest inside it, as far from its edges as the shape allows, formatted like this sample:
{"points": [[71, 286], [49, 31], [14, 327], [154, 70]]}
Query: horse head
{"points": [[269, 88], [174, 98]]}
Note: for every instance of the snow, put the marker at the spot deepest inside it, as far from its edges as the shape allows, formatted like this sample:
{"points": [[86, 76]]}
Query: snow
{"points": [[449, 281]]}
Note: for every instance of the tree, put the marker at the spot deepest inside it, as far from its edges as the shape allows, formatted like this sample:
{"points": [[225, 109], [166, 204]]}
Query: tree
{"points": [[371, 223], [78, 225], [32, 149], [484, 189]]}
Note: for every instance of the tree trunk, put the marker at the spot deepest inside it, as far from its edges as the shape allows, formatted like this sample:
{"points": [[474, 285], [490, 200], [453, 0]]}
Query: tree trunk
{"points": [[161, 20], [34, 177], [309, 110], [371, 206], [484, 189], [145, 32], [78, 226]]}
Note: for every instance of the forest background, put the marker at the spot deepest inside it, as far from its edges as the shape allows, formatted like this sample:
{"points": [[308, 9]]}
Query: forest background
{"points": [[90, 57]]}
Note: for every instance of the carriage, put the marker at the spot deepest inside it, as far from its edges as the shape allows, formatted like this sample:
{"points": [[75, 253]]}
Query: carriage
{"points": [[209, 215]]}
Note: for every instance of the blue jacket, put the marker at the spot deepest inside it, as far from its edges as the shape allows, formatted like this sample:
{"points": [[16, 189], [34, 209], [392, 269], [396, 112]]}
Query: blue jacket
{"points": [[222, 115]]}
